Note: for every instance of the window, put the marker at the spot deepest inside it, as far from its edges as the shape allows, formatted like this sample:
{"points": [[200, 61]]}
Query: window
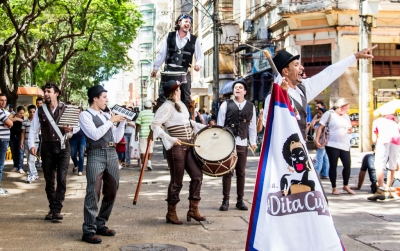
{"points": [[386, 62], [315, 58]]}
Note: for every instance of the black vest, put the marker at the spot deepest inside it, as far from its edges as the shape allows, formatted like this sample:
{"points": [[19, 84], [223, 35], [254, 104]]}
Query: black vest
{"points": [[108, 137], [302, 110], [183, 56], [48, 132], [238, 121]]}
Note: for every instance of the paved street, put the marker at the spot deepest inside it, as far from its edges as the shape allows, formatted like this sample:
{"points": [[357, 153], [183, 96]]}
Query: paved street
{"points": [[362, 225]]}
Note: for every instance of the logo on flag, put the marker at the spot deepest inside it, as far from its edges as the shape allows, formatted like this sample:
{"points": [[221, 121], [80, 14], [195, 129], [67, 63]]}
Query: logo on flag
{"points": [[289, 210]]}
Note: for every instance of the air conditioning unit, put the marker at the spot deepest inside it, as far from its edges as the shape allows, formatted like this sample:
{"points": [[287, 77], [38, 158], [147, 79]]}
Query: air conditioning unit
{"points": [[262, 33], [248, 25]]}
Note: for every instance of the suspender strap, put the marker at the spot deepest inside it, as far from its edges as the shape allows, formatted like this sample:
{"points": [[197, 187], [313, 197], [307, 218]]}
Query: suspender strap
{"points": [[54, 125]]}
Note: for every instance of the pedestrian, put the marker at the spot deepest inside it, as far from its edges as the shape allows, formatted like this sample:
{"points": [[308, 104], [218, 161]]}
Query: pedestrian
{"points": [[32, 173], [121, 149], [5, 125], [338, 145], [205, 117], [78, 144], [386, 136], [39, 103], [143, 123], [102, 163], [321, 164], [129, 131], [55, 150], [15, 140], [177, 50], [239, 116], [174, 115], [301, 91], [368, 165]]}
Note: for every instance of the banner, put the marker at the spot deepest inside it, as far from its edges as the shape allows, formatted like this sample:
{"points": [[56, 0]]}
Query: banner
{"points": [[289, 210]]}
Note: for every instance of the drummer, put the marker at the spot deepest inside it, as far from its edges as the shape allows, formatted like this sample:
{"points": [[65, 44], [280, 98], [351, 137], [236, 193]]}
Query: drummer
{"points": [[239, 116], [175, 116], [177, 50]]}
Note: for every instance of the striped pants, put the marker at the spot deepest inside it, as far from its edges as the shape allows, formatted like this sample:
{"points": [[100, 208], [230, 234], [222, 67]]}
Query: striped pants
{"points": [[102, 167]]}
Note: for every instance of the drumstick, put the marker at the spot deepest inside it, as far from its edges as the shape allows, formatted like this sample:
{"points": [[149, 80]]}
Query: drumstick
{"points": [[188, 144]]}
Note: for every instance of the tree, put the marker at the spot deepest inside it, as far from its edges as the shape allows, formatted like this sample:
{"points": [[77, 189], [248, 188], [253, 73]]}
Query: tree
{"points": [[96, 33]]}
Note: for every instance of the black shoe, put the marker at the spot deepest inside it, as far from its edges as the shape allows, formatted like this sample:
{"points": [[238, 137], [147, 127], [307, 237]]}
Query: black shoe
{"points": [[224, 206], [105, 231], [241, 206], [57, 216], [49, 215], [91, 238]]}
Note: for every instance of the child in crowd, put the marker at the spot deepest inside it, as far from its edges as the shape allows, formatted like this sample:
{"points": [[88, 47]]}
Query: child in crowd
{"points": [[121, 148]]}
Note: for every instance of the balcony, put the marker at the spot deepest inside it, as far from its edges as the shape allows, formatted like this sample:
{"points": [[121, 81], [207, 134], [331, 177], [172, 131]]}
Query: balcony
{"points": [[301, 6]]}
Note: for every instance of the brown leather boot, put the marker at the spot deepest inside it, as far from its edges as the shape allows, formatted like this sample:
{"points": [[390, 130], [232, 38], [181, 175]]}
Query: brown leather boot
{"points": [[194, 211], [171, 216]]}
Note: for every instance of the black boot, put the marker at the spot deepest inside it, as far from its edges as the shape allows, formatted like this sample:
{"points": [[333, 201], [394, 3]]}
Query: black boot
{"points": [[241, 206], [224, 205]]}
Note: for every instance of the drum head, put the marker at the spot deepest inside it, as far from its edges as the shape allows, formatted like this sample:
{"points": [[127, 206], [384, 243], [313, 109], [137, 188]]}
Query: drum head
{"points": [[216, 143]]}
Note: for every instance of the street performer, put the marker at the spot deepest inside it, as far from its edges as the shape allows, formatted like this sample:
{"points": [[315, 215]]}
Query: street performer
{"points": [[239, 116], [102, 163], [302, 91], [174, 115], [55, 148], [177, 50]]}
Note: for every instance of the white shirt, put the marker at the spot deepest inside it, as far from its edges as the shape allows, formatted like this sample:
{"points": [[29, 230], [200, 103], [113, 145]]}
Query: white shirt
{"points": [[252, 125], [338, 130], [35, 128], [95, 133], [130, 127], [316, 84], [167, 115], [180, 43], [387, 130]]}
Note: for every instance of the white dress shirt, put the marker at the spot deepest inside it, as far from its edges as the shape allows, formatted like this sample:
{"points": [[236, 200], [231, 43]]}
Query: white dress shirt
{"points": [[180, 43], [95, 133], [35, 128], [316, 84], [252, 125], [167, 115]]}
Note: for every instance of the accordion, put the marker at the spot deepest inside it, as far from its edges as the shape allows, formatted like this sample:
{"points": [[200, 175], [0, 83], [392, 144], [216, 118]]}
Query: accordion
{"points": [[70, 116], [124, 112]]}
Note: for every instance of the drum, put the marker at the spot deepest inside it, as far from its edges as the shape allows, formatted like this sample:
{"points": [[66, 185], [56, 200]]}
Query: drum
{"points": [[217, 151], [173, 75]]}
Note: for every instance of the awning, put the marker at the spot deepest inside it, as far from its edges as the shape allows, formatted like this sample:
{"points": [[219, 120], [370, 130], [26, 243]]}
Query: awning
{"points": [[227, 88], [30, 91]]}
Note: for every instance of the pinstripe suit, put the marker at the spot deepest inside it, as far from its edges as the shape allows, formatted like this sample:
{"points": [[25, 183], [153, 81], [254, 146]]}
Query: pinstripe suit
{"points": [[102, 169]]}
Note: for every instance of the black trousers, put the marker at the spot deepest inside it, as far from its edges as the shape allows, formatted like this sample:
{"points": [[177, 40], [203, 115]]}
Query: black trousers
{"points": [[240, 175], [185, 91], [333, 155], [55, 162]]}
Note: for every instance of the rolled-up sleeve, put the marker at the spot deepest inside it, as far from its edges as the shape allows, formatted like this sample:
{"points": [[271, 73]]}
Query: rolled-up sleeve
{"points": [[162, 115], [89, 128], [196, 126]]}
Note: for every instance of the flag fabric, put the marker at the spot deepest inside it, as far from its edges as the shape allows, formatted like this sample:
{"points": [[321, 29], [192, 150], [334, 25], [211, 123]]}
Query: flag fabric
{"points": [[289, 210]]}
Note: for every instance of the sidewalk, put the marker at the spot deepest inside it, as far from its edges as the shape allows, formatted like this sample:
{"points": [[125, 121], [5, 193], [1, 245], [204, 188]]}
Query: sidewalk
{"points": [[362, 225]]}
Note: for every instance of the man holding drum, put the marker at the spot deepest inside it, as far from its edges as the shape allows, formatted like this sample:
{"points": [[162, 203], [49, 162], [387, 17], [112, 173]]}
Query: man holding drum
{"points": [[239, 116], [177, 50], [174, 115]]}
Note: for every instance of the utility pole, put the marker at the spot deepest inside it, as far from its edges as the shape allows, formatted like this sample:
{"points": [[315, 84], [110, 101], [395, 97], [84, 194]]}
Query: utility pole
{"points": [[216, 60], [365, 81]]}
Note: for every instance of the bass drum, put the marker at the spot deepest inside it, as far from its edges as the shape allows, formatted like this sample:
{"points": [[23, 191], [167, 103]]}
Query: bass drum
{"points": [[217, 151]]}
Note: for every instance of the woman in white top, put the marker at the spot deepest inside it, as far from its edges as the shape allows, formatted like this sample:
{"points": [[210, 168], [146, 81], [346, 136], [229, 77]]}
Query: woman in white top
{"points": [[174, 115], [338, 145]]}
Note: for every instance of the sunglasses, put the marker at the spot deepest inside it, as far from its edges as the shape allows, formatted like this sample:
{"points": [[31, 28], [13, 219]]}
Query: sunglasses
{"points": [[183, 16]]}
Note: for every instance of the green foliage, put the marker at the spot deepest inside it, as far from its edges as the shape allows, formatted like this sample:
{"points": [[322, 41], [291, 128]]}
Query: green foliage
{"points": [[45, 72], [88, 39]]}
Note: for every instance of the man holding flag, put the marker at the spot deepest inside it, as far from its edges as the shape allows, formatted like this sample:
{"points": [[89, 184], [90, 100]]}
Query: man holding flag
{"points": [[302, 91]]}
